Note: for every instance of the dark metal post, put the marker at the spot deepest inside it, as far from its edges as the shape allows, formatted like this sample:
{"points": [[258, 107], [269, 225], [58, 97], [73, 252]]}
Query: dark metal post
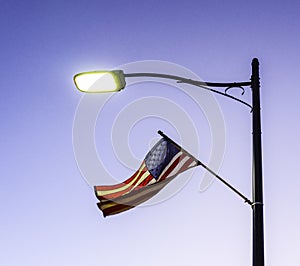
{"points": [[257, 185]]}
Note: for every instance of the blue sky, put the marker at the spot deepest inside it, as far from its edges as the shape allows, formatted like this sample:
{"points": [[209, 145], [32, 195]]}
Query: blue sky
{"points": [[49, 214]]}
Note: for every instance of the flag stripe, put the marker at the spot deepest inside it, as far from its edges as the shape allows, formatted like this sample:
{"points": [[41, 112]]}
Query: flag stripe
{"points": [[183, 166], [127, 181], [116, 186], [132, 199], [145, 182], [111, 187], [125, 190], [139, 176], [171, 164], [175, 167]]}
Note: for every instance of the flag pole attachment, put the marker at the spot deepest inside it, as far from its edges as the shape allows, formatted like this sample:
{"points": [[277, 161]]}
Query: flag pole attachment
{"points": [[211, 171]]}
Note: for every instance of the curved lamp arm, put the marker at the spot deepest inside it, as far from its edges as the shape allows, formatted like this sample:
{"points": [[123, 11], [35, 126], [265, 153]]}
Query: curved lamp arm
{"points": [[113, 81], [202, 84]]}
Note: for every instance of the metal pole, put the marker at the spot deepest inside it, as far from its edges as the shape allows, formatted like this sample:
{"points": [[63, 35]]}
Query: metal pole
{"points": [[257, 182]]}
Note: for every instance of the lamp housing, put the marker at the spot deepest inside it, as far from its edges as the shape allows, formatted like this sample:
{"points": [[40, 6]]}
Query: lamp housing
{"points": [[100, 81]]}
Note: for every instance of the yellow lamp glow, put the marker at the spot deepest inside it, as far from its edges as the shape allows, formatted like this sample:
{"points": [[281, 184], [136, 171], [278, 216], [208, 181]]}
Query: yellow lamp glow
{"points": [[100, 81]]}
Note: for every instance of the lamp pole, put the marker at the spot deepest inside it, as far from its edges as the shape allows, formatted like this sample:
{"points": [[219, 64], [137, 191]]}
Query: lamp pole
{"points": [[89, 82], [257, 182]]}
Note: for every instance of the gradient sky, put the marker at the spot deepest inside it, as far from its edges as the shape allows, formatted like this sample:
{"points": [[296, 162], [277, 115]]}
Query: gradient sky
{"points": [[48, 211]]}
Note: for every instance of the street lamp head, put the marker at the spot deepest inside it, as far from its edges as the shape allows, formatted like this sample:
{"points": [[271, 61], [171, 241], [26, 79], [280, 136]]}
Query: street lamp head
{"points": [[100, 81]]}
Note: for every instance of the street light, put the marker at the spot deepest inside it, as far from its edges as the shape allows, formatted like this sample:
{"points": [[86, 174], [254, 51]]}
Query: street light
{"points": [[113, 81], [100, 81]]}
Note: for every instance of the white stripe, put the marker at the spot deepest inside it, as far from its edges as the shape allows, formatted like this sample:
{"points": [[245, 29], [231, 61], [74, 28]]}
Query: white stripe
{"points": [[145, 175], [179, 166], [111, 191], [169, 165], [152, 181], [193, 164]]}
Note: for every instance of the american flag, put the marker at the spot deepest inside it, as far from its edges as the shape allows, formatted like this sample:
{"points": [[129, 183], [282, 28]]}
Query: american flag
{"points": [[161, 165]]}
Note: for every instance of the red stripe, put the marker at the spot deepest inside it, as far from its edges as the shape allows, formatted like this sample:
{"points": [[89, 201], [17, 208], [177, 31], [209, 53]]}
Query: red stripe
{"points": [[111, 187], [145, 182], [132, 199], [126, 190], [185, 166], [171, 168]]}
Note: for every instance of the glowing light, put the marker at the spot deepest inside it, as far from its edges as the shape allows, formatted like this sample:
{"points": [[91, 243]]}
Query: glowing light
{"points": [[100, 81]]}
